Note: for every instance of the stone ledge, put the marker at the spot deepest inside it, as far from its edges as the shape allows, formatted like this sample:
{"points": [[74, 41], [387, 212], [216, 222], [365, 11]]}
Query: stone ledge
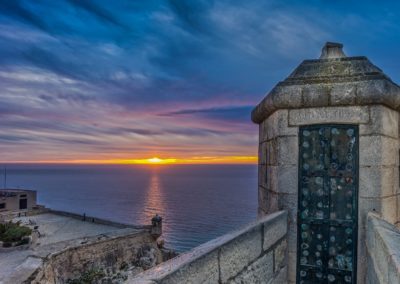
{"points": [[323, 92]]}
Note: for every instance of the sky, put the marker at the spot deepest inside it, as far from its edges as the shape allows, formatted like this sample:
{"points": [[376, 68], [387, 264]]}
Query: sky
{"points": [[126, 81]]}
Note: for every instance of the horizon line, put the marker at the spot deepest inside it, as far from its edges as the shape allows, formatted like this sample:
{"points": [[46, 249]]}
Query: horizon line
{"points": [[234, 160]]}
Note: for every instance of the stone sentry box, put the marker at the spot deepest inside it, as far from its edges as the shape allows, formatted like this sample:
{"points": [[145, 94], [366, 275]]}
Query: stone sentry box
{"points": [[332, 90]]}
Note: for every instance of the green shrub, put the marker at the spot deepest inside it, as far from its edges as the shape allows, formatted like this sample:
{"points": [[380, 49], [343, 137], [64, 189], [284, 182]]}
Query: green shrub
{"points": [[13, 232], [88, 277]]}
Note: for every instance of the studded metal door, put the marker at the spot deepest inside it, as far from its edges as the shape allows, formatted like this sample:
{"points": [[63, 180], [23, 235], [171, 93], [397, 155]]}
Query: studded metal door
{"points": [[327, 208]]}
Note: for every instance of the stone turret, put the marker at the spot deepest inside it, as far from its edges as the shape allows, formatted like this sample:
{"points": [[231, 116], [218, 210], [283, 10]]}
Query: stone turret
{"points": [[329, 154], [156, 226]]}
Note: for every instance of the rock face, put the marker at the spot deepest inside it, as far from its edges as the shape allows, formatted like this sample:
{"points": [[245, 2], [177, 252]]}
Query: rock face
{"points": [[148, 256]]}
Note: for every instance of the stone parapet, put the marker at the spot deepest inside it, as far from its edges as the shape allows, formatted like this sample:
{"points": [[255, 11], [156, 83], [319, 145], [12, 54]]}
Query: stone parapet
{"points": [[256, 253], [383, 251]]}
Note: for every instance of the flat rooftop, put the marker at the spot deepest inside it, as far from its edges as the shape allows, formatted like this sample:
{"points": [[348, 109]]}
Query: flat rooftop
{"points": [[15, 190]]}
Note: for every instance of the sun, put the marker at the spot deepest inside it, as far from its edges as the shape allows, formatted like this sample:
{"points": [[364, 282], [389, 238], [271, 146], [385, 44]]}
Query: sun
{"points": [[155, 160]]}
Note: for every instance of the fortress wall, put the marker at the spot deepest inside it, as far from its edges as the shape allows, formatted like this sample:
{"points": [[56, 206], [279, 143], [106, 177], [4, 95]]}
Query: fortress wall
{"points": [[256, 253], [108, 252]]}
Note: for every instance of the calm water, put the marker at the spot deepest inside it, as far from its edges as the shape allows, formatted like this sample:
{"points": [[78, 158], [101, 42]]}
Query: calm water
{"points": [[197, 202]]}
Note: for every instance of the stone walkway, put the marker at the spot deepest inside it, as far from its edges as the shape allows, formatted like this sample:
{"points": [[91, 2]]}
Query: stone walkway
{"points": [[57, 228]]}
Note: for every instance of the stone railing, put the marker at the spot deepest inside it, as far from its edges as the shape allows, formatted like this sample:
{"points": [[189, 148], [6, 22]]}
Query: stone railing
{"points": [[383, 247], [256, 253], [98, 220]]}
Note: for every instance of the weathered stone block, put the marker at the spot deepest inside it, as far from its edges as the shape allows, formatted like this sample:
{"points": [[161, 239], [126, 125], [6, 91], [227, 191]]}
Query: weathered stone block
{"points": [[288, 149], [262, 176], [383, 251], [261, 212], [343, 94], [377, 181], [371, 277], [288, 202], [370, 235], [355, 115], [389, 209], [286, 96], [260, 271], [262, 199], [272, 202], [377, 92], [378, 150], [270, 180], [277, 125], [281, 278], [239, 253], [283, 179], [280, 253], [262, 153], [398, 210], [366, 205], [202, 270], [361, 254], [274, 230], [384, 121], [380, 253], [316, 95], [292, 236], [262, 131], [272, 152], [394, 269], [292, 260]]}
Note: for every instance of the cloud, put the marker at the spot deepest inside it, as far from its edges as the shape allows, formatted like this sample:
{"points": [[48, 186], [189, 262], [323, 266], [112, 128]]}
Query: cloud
{"points": [[241, 113], [98, 11], [147, 77]]}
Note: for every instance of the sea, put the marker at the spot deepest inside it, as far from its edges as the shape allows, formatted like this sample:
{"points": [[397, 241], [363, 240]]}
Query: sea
{"points": [[197, 202]]}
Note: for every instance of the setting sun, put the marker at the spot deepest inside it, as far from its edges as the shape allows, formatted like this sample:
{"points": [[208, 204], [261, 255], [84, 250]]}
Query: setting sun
{"points": [[154, 160]]}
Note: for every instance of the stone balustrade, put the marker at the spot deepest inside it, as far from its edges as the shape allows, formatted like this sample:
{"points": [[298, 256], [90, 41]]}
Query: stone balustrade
{"points": [[256, 253]]}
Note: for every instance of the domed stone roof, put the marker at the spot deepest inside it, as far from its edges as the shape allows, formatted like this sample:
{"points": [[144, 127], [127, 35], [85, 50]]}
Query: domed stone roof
{"points": [[331, 80]]}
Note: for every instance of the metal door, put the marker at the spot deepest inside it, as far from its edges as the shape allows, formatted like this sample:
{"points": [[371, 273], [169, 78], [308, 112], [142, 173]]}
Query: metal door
{"points": [[327, 204]]}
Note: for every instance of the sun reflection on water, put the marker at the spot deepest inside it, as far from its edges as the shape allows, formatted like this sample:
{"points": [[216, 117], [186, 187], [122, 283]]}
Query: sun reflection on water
{"points": [[154, 198]]}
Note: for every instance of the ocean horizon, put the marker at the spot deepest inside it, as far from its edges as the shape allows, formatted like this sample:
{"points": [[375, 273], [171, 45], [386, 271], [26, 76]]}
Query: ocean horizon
{"points": [[197, 202]]}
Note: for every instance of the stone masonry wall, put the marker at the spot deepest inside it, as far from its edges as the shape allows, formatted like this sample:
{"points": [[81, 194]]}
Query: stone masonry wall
{"points": [[378, 175], [107, 253], [383, 248], [254, 254]]}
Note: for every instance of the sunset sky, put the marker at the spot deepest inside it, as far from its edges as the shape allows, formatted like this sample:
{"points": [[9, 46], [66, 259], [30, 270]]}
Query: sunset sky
{"points": [[127, 81]]}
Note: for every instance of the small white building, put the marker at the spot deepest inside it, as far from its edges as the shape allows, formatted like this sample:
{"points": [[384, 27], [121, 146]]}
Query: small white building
{"points": [[17, 200]]}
